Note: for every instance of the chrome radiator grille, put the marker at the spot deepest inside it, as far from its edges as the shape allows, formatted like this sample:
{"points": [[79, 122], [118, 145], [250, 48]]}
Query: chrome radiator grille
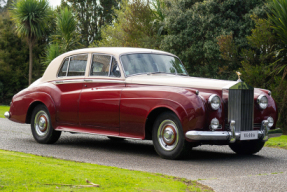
{"points": [[240, 108]]}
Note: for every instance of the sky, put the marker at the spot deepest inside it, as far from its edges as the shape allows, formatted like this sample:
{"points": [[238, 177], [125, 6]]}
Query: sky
{"points": [[54, 3]]}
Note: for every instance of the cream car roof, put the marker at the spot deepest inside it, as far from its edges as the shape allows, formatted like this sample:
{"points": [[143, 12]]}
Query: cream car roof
{"points": [[52, 70]]}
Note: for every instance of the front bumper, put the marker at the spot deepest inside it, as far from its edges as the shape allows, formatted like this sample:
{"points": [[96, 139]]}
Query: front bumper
{"points": [[229, 135]]}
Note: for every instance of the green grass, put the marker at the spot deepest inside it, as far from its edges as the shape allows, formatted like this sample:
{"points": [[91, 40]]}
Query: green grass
{"points": [[3, 109], [26, 172], [277, 142]]}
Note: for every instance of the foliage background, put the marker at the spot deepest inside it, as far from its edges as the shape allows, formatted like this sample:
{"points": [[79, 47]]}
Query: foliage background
{"points": [[214, 38]]}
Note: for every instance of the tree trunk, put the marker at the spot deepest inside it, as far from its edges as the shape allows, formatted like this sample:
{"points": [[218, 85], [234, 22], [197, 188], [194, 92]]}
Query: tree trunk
{"points": [[30, 61]]}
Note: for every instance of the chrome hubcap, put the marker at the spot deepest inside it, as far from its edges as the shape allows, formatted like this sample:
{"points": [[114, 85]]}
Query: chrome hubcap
{"points": [[41, 123], [168, 135]]}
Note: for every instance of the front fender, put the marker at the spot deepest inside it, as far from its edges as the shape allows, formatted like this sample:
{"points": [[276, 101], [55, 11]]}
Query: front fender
{"points": [[137, 103]]}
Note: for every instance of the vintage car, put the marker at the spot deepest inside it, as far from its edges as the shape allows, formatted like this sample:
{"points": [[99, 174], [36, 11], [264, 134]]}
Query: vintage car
{"points": [[144, 94]]}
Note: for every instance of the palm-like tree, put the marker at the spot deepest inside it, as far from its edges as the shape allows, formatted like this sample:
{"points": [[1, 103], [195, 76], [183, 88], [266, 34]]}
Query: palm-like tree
{"points": [[66, 37], [66, 29], [30, 18], [278, 18]]}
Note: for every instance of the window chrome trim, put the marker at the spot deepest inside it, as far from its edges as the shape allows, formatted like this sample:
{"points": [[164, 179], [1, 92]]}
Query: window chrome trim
{"points": [[69, 81], [104, 81], [88, 81], [167, 54]]}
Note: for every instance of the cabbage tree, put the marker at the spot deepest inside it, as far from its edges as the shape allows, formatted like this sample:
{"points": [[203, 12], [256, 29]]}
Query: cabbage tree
{"points": [[30, 17]]}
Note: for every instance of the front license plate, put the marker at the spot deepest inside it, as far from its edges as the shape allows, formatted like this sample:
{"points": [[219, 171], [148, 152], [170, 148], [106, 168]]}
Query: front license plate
{"points": [[248, 135]]}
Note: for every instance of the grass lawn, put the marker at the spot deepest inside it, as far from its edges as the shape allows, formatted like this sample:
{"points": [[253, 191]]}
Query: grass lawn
{"points": [[26, 172], [277, 142], [3, 109]]}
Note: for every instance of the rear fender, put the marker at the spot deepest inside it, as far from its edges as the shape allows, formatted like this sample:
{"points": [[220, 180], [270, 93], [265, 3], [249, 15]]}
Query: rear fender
{"points": [[23, 106]]}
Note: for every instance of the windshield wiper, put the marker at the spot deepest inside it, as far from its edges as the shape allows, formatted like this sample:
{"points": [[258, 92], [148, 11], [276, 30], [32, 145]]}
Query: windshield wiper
{"points": [[182, 74], [155, 72]]}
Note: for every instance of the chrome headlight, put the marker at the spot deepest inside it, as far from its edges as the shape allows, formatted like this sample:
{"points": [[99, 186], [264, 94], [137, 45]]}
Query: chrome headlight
{"points": [[262, 101], [214, 102], [270, 122]]}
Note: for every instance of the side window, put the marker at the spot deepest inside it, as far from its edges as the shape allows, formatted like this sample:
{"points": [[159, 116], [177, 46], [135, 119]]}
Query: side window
{"points": [[74, 66], [115, 70], [63, 70], [100, 65], [77, 65]]}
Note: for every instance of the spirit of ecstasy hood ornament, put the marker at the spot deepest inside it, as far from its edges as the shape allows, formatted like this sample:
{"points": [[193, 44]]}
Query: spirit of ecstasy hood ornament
{"points": [[238, 74]]}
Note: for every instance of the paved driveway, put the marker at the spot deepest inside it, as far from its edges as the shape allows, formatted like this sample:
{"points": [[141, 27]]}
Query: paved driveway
{"points": [[215, 166]]}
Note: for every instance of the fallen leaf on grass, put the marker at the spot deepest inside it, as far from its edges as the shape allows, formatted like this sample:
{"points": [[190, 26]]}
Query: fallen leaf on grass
{"points": [[79, 186]]}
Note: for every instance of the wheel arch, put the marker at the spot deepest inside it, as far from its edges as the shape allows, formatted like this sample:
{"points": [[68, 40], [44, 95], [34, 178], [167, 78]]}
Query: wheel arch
{"points": [[152, 116], [44, 99], [31, 109]]}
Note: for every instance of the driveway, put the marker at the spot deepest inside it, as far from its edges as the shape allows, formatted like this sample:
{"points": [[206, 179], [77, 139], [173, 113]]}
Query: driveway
{"points": [[215, 166]]}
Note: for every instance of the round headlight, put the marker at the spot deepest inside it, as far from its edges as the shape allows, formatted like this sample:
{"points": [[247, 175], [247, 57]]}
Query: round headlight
{"points": [[270, 121], [214, 101], [262, 101]]}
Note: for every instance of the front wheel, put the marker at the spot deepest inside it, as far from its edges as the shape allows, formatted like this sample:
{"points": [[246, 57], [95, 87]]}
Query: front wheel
{"points": [[168, 137], [247, 147], [41, 126]]}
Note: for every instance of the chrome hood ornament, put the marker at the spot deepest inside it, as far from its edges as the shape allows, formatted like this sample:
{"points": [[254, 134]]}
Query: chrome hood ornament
{"points": [[238, 74]]}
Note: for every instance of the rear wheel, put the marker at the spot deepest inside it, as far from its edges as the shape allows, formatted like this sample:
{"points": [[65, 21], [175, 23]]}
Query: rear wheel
{"points": [[168, 137], [41, 126], [247, 147]]}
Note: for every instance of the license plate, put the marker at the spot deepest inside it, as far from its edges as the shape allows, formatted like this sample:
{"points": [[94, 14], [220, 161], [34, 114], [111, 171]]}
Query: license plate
{"points": [[248, 135]]}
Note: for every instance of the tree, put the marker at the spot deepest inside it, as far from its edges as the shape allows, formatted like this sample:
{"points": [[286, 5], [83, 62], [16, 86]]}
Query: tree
{"points": [[66, 37], [278, 18], [30, 17], [13, 60], [91, 16], [257, 62], [194, 25], [134, 27]]}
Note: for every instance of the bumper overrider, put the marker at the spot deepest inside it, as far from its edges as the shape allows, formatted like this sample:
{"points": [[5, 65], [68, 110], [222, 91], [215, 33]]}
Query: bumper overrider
{"points": [[264, 133], [7, 115]]}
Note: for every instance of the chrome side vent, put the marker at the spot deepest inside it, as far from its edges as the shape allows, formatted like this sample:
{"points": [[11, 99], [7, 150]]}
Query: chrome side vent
{"points": [[241, 106]]}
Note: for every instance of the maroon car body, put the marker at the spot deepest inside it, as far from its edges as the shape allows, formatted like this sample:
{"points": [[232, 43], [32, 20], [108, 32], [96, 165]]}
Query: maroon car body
{"points": [[110, 91]]}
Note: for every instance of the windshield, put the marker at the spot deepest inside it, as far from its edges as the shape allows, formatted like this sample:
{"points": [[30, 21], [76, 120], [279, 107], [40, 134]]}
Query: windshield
{"points": [[151, 63]]}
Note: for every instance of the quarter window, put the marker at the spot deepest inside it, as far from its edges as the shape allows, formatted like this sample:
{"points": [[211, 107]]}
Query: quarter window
{"points": [[115, 70], [63, 70], [74, 66]]}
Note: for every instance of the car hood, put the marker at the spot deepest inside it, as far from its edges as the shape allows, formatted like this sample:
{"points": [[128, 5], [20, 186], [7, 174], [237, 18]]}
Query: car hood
{"points": [[180, 81]]}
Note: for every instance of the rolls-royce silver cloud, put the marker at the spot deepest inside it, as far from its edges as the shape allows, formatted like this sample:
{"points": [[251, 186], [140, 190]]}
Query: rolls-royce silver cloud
{"points": [[144, 94]]}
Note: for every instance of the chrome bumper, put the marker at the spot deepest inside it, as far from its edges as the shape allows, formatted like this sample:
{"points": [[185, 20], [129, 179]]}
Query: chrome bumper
{"points": [[7, 115], [228, 135]]}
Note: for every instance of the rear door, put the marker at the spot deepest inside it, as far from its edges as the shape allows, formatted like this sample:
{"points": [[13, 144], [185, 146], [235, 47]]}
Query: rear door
{"points": [[70, 83]]}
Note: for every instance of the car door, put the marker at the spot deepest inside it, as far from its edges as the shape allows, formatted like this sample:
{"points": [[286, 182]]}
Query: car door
{"points": [[101, 93], [70, 83]]}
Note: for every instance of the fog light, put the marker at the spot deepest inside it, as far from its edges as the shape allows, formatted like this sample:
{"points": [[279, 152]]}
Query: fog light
{"points": [[270, 122], [214, 124]]}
